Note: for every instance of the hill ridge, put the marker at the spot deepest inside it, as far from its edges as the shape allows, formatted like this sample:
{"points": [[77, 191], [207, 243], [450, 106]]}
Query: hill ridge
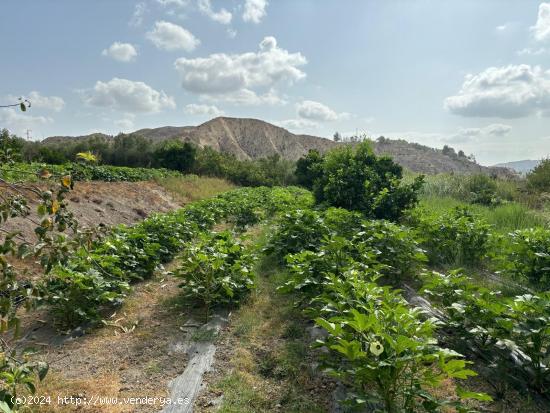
{"points": [[250, 138]]}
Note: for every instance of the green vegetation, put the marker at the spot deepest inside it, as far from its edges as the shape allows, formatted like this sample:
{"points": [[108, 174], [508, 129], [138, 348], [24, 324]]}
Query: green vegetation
{"points": [[356, 179], [30, 172], [525, 256], [341, 253], [456, 238], [216, 270], [140, 154], [538, 179]]}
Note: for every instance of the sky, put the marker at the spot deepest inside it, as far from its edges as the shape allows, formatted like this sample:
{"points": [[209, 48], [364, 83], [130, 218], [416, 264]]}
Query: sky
{"points": [[471, 74]]}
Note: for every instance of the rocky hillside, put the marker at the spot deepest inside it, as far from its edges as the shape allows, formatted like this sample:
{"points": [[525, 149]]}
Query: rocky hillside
{"points": [[254, 139]]}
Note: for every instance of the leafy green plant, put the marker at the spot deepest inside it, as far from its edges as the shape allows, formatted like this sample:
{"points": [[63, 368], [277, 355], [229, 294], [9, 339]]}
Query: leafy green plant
{"points": [[301, 229], [216, 270], [482, 189], [355, 178], [525, 255], [456, 238], [384, 350], [76, 296], [512, 334], [394, 246], [19, 376]]}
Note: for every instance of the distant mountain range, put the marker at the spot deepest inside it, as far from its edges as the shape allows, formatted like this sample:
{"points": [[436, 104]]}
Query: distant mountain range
{"points": [[521, 167], [254, 139]]}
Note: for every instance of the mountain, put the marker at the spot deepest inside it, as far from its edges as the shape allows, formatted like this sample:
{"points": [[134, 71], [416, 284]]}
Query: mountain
{"points": [[521, 167], [254, 139]]}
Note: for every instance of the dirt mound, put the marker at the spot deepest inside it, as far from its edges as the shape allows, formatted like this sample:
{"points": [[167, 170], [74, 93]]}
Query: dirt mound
{"points": [[109, 203]]}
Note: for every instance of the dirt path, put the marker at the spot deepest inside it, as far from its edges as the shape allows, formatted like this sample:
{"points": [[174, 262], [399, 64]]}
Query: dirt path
{"points": [[134, 355]]}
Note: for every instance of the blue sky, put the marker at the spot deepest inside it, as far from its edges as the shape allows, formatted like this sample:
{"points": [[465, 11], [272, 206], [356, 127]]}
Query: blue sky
{"points": [[471, 74]]}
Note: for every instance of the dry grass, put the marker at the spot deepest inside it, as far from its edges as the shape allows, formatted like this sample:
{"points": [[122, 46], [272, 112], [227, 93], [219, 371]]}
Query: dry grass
{"points": [[192, 187]]}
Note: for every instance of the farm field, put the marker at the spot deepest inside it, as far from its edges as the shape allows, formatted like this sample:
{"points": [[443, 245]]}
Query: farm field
{"points": [[272, 206], [289, 298]]}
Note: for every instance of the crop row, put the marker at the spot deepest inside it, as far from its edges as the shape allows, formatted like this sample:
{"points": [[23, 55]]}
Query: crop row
{"points": [[342, 268], [335, 258], [27, 172], [100, 274]]}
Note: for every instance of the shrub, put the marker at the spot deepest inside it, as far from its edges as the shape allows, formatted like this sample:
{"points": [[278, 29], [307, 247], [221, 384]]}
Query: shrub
{"points": [[175, 155], [356, 179], [538, 180], [456, 238], [77, 296], [215, 270], [309, 169], [481, 189]]}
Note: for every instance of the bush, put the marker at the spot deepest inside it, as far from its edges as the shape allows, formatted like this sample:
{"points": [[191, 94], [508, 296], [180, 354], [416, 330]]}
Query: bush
{"points": [[456, 238], [309, 169], [216, 269], [538, 180], [356, 179], [175, 155], [394, 246], [482, 190]]}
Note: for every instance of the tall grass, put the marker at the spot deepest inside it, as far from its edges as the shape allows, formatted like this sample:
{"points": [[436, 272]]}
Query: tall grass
{"points": [[191, 188], [505, 218], [457, 186]]}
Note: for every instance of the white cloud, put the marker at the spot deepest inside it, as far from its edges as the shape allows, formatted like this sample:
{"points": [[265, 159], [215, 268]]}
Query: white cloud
{"points": [[311, 110], [541, 30], [123, 52], [126, 124], [54, 103], [137, 17], [501, 28], [234, 77], [222, 16], [196, 109], [507, 92], [170, 36], [254, 10], [296, 124], [177, 3], [495, 130], [127, 95], [18, 122], [246, 97], [528, 51]]}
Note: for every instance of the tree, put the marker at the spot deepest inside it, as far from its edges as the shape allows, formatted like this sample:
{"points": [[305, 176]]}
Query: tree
{"points": [[176, 155], [447, 150], [11, 147], [308, 168], [337, 137], [356, 179], [538, 180]]}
